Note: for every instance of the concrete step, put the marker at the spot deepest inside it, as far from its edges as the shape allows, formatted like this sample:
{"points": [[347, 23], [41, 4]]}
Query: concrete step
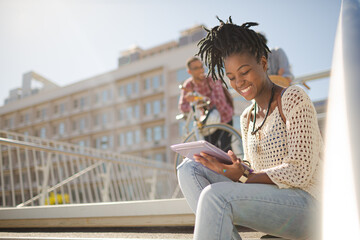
{"points": [[112, 233]]}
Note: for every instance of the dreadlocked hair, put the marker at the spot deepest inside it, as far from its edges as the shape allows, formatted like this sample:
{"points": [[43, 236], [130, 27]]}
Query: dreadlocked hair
{"points": [[226, 39]]}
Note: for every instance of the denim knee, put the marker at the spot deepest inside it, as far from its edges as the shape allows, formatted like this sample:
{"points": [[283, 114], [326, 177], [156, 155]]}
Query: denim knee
{"points": [[210, 196], [186, 167]]}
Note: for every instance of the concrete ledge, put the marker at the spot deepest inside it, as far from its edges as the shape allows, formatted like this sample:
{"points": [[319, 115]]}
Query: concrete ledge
{"points": [[169, 212]]}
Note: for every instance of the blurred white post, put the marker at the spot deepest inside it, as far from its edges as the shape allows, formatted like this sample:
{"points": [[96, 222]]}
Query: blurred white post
{"points": [[340, 218]]}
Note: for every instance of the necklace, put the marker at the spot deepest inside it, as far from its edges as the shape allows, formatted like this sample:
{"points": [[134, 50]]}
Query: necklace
{"points": [[267, 113]]}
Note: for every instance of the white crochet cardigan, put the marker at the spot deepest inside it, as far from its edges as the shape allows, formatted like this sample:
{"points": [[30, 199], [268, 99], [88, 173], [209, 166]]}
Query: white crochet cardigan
{"points": [[290, 154]]}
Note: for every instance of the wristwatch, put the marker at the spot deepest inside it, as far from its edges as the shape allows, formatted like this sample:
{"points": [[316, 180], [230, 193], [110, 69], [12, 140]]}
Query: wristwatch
{"points": [[245, 176]]}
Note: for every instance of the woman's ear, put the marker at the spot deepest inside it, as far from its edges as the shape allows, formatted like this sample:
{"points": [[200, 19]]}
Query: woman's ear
{"points": [[264, 63]]}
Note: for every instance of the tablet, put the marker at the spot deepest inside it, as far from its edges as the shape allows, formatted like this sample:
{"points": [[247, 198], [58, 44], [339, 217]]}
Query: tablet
{"points": [[190, 148]]}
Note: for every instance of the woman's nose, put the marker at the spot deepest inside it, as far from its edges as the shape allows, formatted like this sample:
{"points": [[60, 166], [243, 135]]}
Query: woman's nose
{"points": [[239, 81]]}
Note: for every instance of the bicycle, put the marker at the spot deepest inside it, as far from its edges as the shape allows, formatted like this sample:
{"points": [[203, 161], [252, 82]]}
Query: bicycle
{"points": [[204, 131]]}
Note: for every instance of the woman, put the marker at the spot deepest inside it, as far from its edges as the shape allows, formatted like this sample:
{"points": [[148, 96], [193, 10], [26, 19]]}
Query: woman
{"points": [[279, 194]]}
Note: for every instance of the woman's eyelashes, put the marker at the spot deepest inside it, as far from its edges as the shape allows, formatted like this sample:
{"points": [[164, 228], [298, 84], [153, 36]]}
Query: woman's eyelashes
{"points": [[232, 78], [246, 72]]}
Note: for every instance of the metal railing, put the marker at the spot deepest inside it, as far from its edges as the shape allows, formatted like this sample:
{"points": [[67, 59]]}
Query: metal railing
{"points": [[37, 171]]}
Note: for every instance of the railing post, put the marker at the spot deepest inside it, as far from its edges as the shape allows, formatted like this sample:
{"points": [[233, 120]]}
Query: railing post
{"points": [[153, 181], [46, 173], [106, 179]]}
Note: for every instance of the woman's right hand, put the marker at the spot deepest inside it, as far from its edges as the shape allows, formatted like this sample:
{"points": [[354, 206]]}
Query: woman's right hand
{"points": [[233, 171]]}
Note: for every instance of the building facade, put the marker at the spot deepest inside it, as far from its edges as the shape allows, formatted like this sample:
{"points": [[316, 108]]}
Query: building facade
{"points": [[129, 110]]}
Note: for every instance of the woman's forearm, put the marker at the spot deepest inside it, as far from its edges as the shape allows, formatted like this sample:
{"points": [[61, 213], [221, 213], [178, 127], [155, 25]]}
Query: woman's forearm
{"points": [[259, 178]]}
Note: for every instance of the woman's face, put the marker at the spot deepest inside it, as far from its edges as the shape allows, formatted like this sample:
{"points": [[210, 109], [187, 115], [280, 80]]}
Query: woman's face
{"points": [[246, 75]]}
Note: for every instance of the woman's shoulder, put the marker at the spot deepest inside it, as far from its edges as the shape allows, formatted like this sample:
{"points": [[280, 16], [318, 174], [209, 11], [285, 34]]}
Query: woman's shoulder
{"points": [[294, 95], [294, 98]]}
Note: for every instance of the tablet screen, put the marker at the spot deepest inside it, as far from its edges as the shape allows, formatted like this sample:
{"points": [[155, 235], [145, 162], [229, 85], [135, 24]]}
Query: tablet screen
{"points": [[190, 148]]}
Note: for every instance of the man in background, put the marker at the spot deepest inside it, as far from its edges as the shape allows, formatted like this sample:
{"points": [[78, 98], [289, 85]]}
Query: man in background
{"points": [[199, 83]]}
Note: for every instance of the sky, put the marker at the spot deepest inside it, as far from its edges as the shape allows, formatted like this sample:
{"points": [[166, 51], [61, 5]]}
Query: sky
{"points": [[71, 40]]}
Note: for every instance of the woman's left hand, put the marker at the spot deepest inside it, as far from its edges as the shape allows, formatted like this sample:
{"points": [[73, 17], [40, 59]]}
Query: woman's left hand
{"points": [[233, 171]]}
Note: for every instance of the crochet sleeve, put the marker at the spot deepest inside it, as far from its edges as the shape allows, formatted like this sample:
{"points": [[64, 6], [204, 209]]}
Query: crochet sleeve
{"points": [[303, 141]]}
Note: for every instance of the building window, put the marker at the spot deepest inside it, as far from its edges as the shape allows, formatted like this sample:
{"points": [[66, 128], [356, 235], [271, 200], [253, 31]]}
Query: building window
{"points": [[105, 142], [136, 87], [129, 138], [129, 90], [157, 133], [121, 114], [147, 83], [74, 123], [43, 132], [82, 102], [129, 113], [164, 132], [27, 118], [56, 109], [97, 119], [43, 113], [157, 107], [105, 96], [104, 119], [159, 157], [163, 105], [102, 142], [137, 136], [62, 108], [82, 124], [96, 98], [136, 112], [121, 139], [147, 108], [82, 143], [76, 104], [156, 82], [61, 129], [121, 92], [148, 134]]}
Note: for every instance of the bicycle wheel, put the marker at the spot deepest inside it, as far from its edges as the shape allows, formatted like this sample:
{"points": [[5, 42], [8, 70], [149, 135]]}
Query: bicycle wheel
{"points": [[213, 133]]}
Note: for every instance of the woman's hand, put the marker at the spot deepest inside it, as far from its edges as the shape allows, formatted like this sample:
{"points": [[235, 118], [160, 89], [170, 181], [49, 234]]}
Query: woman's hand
{"points": [[233, 171]]}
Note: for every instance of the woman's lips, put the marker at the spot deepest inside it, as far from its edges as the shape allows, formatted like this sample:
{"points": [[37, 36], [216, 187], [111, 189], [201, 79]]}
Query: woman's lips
{"points": [[245, 91]]}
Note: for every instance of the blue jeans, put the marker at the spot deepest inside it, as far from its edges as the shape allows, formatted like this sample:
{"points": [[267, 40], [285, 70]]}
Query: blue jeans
{"points": [[219, 204]]}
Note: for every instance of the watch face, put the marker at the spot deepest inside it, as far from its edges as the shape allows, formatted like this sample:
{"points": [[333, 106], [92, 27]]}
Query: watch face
{"points": [[243, 179]]}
